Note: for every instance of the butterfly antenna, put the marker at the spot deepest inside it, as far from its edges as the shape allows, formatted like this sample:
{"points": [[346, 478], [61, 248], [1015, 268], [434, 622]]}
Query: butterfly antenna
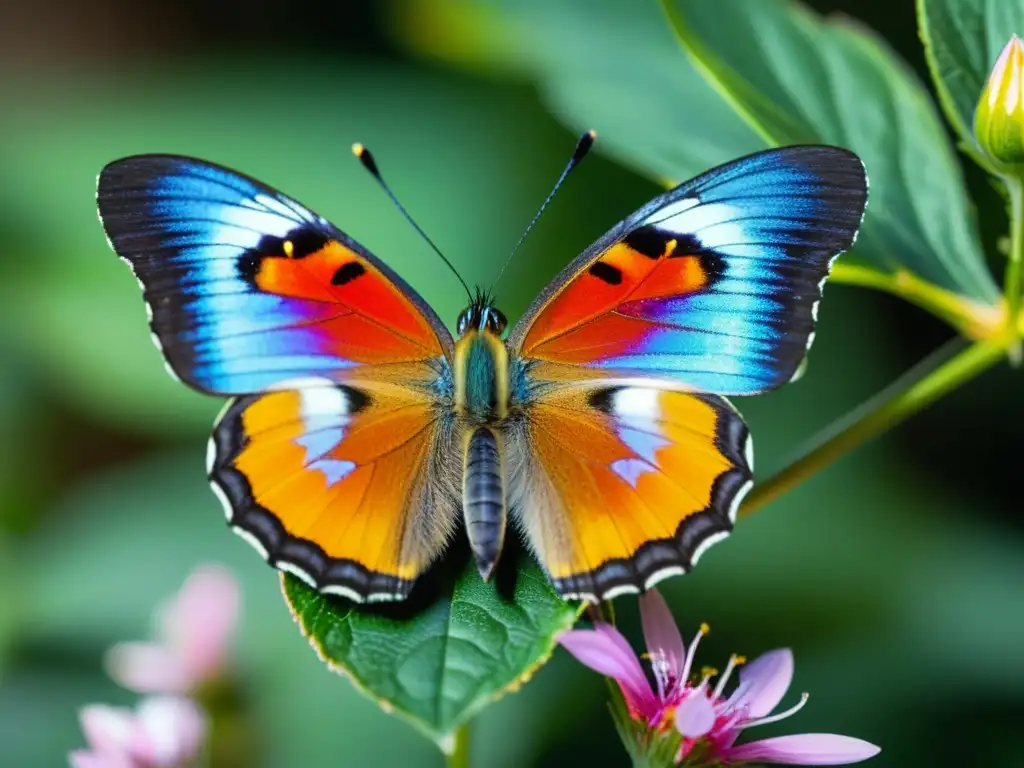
{"points": [[371, 165], [582, 148]]}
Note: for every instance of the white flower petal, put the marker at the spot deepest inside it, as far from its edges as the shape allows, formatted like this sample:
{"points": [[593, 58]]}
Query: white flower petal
{"points": [[172, 730]]}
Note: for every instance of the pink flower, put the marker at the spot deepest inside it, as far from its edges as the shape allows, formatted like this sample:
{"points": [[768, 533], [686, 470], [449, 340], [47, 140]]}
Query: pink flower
{"points": [[164, 732], [708, 721], [195, 628]]}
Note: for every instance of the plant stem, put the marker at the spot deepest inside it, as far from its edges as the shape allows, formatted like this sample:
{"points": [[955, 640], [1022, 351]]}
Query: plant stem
{"points": [[972, 319], [459, 756], [919, 388], [1012, 286]]}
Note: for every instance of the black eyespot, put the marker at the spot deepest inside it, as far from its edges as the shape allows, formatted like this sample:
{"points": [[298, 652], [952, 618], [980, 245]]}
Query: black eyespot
{"points": [[306, 241], [347, 273], [355, 399], [606, 272], [248, 266], [603, 399], [647, 241]]}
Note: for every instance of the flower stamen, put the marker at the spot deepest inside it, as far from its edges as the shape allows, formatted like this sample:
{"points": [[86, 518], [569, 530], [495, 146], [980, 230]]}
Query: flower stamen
{"points": [[692, 651], [734, 661], [781, 715]]}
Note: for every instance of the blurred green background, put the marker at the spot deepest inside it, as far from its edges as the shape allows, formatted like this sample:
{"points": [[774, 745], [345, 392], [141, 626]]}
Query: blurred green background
{"points": [[897, 576]]}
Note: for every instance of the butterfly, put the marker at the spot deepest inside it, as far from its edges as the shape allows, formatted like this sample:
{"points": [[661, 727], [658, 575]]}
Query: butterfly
{"points": [[362, 435]]}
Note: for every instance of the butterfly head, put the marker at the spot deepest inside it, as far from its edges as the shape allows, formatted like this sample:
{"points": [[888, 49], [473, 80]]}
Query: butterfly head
{"points": [[481, 315]]}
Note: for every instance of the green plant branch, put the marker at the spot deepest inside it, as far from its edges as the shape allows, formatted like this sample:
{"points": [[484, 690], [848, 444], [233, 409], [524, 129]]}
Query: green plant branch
{"points": [[459, 756], [1013, 282], [970, 318], [924, 384]]}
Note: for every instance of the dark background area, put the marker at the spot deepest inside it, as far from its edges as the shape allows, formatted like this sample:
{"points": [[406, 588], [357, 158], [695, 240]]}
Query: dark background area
{"points": [[98, 467]]}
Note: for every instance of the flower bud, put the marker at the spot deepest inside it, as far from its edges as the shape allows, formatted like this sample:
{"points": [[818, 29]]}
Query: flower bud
{"points": [[999, 117]]}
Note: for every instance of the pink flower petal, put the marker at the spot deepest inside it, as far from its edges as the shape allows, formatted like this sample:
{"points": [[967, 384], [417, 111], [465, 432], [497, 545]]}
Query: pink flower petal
{"points": [[664, 643], [81, 758], [107, 729], [765, 681], [171, 730], [148, 668], [695, 715], [605, 650], [200, 620], [609, 632], [805, 749]]}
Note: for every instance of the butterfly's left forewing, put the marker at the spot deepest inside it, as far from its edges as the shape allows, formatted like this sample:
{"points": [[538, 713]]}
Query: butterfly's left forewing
{"points": [[333, 463], [627, 472]]}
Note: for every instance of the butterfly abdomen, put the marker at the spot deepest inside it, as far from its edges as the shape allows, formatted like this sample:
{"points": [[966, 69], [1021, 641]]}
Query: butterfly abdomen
{"points": [[483, 499]]}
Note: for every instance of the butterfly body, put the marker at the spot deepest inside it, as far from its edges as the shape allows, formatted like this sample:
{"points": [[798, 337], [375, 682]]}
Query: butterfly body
{"points": [[362, 436]]}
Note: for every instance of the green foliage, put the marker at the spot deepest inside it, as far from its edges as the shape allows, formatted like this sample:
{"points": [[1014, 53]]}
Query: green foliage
{"points": [[8, 596], [962, 39], [651, 110], [798, 78], [439, 664], [776, 73]]}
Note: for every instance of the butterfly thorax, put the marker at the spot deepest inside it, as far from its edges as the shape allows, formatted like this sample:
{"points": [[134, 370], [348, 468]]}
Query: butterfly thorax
{"points": [[481, 365]]}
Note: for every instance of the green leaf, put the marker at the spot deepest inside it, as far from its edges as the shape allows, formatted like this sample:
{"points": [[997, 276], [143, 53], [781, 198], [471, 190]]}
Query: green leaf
{"points": [[962, 40], [841, 84], [650, 108], [438, 664]]}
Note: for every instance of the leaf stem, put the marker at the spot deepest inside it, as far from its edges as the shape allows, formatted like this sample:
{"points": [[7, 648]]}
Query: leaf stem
{"points": [[973, 319], [924, 384], [1013, 282], [459, 756]]}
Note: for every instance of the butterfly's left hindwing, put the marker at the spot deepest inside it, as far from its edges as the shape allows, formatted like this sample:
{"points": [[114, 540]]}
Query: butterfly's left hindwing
{"points": [[618, 487], [355, 490]]}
